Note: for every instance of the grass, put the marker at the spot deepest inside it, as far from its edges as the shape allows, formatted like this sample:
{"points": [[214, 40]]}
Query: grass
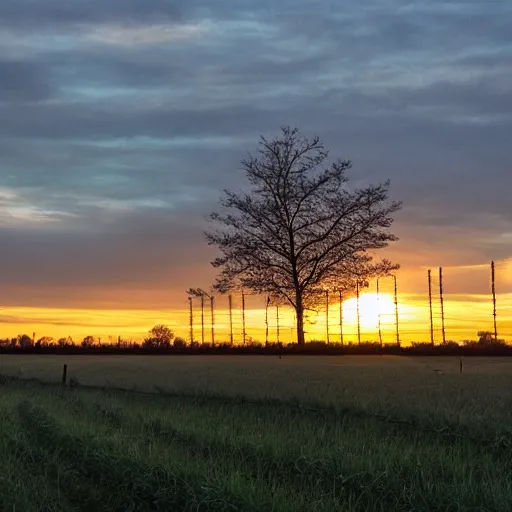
{"points": [[381, 435]]}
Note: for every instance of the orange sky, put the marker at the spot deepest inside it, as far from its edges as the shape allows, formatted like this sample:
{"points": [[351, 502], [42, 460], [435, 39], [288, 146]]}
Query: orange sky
{"points": [[465, 314], [110, 310]]}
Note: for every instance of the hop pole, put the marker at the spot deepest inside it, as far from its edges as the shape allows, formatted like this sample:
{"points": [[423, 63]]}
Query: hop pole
{"points": [[379, 323], [341, 317], [191, 320], [396, 312], [493, 290], [230, 301], [358, 315], [327, 314], [441, 299], [430, 306]]}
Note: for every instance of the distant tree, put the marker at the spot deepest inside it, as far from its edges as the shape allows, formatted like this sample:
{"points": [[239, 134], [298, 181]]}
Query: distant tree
{"points": [[160, 336], [485, 337], [65, 342], [88, 342], [300, 229], [25, 341], [45, 341], [179, 343]]}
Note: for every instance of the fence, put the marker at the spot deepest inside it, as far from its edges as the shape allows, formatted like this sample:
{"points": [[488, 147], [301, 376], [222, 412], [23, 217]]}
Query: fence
{"points": [[455, 303]]}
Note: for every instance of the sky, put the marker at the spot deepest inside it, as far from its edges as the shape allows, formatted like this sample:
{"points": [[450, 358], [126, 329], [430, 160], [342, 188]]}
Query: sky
{"points": [[122, 121]]}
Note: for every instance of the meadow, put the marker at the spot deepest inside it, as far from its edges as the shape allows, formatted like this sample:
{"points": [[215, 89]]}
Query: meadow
{"points": [[255, 433]]}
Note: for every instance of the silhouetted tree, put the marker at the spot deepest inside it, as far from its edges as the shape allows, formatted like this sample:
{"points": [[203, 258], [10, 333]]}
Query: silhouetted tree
{"points": [[160, 337], [179, 342], [300, 228], [25, 341], [485, 337], [88, 342], [45, 341]]}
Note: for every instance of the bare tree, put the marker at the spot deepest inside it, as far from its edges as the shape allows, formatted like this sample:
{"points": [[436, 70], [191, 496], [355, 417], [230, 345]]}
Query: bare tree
{"points": [[300, 229]]}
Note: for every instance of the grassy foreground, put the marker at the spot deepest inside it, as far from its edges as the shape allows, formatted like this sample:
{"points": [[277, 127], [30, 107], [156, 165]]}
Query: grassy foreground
{"points": [[93, 450]]}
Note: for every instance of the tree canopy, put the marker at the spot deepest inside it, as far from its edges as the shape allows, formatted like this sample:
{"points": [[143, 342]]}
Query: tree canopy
{"points": [[300, 229]]}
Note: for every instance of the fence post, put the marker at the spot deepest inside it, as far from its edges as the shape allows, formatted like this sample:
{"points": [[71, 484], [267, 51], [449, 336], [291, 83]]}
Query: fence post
{"points": [[430, 306], [341, 317], [244, 334], [378, 313], [64, 374], [191, 320], [396, 312], [327, 314], [441, 299], [230, 301], [358, 315], [493, 289]]}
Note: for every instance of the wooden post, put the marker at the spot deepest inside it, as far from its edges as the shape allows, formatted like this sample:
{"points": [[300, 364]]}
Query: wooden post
{"points": [[244, 334], [266, 320], [460, 364], [327, 314], [212, 311], [230, 300], [277, 324], [493, 289], [378, 313], [202, 318], [396, 312], [64, 374], [358, 315], [341, 317], [430, 306], [191, 320], [441, 299]]}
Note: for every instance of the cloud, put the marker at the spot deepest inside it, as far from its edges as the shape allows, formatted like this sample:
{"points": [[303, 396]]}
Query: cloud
{"points": [[125, 120], [142, 34], [22, 82]]}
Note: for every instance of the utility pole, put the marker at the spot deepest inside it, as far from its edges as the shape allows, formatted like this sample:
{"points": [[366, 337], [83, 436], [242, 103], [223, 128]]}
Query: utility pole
{"points": [[441, 299], [430, 306]]}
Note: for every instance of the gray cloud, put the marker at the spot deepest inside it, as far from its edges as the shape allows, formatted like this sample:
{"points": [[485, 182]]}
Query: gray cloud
{"points": [[115, 147], [22, 82]]}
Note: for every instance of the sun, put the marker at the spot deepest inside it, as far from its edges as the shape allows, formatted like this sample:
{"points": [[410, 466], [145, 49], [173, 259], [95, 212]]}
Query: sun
{"points": [[370, 306]]}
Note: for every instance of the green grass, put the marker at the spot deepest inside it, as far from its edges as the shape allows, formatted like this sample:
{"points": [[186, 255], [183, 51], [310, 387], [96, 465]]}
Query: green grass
{"points": [[78, 449]]}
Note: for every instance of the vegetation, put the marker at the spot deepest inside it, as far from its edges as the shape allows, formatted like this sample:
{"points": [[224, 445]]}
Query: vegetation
{"points": [[389, 442], [301, 229], [161, 340]]}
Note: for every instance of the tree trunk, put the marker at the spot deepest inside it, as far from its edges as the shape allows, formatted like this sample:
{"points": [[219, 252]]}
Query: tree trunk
{"points": [[300, 322]]}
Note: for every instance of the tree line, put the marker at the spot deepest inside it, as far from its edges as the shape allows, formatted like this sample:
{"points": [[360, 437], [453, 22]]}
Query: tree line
{"points": [[161, 340]]}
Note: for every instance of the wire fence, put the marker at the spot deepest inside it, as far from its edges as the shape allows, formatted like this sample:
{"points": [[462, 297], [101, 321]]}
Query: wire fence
{"points": [[454, 304]]}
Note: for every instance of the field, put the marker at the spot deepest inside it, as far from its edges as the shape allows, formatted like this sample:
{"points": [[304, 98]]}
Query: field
{"points": [[255, 433]]}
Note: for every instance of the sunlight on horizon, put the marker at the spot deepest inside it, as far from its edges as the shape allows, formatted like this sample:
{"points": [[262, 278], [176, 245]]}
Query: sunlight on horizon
{"points": [[464, 316]]}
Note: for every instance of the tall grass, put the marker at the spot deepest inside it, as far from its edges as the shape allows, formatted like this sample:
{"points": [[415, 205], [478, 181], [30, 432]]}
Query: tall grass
{"points": [[94, 450]]}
